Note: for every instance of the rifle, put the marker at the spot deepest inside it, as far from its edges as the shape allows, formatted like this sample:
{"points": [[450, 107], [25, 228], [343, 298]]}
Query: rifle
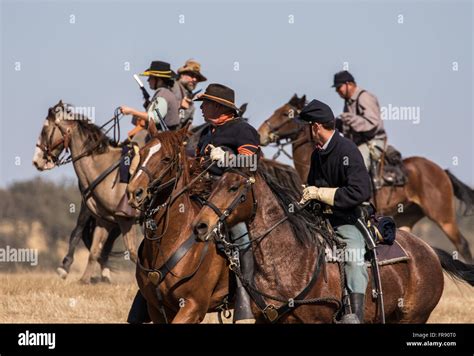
{"points": [[146, 95]]}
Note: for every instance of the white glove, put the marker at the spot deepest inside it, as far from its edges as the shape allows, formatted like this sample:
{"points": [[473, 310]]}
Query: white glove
{"points": [[309, 193], [325, 195], [217, 153]]}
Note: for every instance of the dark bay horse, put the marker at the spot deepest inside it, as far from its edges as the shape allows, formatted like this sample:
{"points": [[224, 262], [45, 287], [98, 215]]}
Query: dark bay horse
{"points": [[287, 254], [93, 155], [429, 191], [182, 288]]}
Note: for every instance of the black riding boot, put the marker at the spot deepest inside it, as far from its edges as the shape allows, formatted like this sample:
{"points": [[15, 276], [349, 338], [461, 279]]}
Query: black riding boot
{"points": [[357, 305], [138, 313], [242, 310]]}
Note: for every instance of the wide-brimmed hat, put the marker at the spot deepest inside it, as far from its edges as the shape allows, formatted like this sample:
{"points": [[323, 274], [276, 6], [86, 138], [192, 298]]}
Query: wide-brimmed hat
{"points": [[342, 77], [159, 69], [194, 67], [220, 94]]}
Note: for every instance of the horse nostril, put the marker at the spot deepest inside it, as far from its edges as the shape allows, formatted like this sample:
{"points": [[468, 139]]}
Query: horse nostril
{"points": [[201, 229], [138, 193]]}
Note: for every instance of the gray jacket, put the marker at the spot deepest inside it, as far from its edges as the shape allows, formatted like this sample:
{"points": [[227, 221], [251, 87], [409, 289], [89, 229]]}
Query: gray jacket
{"points": [[361, 120]]}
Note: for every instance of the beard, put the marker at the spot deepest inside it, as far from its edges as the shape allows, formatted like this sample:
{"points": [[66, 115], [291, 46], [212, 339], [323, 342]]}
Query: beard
{"points": [[190, 86]]}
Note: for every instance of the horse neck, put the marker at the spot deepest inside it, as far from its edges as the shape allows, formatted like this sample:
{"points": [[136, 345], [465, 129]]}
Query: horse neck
{"points": [[280, 246], [181, 212], [89, 167]]}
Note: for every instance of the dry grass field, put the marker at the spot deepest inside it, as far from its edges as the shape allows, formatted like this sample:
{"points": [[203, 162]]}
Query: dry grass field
{"points": [[45, 298]]}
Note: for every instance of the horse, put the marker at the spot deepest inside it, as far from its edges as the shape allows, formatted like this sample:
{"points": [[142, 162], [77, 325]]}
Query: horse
{"points": [[429, 190], [95, 160], [289, 257], [180, 279]]}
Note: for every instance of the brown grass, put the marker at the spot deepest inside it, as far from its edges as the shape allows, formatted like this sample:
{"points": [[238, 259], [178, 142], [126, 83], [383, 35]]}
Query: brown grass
{"points": [[45, 298]]}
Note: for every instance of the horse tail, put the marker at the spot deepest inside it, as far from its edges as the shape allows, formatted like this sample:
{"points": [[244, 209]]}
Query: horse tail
{"points": [[462, 191], [455, 268]]}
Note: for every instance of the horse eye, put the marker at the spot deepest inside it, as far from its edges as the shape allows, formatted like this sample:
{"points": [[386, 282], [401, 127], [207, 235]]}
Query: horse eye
{"points": [[233, 189], [166, 159]]}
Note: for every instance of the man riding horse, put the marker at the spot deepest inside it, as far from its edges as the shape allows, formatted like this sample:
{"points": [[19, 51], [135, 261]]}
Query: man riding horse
{"points": [[189, 76], [229, 135], [361, 121], [338, 179], [163, 109]]}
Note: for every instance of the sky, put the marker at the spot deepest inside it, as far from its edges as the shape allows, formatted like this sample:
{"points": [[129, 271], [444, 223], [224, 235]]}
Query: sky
{"points": [[415, 56]]}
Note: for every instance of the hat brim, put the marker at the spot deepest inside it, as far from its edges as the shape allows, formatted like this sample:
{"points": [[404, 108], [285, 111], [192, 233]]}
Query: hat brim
{"points": [[200, 78], [217, 100], [160, 74]]}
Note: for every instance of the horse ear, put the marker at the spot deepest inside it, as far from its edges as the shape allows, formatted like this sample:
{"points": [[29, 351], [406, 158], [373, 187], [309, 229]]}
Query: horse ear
{"points": [[243, 109], [152, 128], [60, 102], [302, 102], [293, 100], [183, 132]]}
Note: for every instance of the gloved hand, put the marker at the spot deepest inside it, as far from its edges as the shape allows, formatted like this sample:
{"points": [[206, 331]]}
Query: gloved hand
{"points": [[325, 195], [217, 153], [309, 193]]}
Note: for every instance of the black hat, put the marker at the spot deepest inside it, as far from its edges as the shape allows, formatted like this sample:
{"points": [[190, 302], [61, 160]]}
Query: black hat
{"points": [[315, 112], [342, 78], [159, 69], [220, 94]]}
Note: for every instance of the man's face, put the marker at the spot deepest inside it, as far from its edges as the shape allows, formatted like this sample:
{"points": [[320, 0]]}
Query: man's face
{"points": [[209, 109], [343, 90], [317, 132], [152, 82], [189, 80]]}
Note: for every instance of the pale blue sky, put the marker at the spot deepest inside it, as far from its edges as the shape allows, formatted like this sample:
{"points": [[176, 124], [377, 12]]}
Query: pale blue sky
{"points": [[409, 64]]}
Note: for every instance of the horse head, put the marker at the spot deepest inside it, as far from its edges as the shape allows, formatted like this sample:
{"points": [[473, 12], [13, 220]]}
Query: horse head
{"points": [[281, 124]]}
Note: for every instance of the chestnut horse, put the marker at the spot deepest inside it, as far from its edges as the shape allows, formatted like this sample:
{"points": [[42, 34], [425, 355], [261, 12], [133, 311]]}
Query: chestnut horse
{"points": [[180, 279], [429, 191], [287, 255]]}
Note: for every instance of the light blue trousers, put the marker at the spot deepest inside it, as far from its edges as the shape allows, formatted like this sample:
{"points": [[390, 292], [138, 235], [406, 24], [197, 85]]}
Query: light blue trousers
{"points": [[353, 258], [239, 234]]}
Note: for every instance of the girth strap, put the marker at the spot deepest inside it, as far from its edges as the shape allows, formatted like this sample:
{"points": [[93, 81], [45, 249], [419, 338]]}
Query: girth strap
{"points": [[88, 191]]}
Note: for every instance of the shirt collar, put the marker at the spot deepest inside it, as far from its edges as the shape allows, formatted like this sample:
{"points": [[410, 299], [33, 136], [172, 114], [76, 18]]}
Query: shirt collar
{"points": [[329, 140], [355, 95]]}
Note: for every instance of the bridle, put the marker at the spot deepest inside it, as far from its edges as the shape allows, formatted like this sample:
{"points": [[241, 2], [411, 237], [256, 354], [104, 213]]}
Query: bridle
{"points": [[65, 141], [48, 149], [239, 199], [281, 140]]}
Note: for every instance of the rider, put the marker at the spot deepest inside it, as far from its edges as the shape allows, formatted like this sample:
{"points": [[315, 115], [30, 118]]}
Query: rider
{"points": [[227, 135], [189, 76], [162, 111], [338, 179], [163, 107], [361, 120]]}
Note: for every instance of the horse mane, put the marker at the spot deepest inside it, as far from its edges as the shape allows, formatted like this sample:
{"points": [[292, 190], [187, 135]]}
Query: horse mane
{"points": [[285, 184], [97, 141]]}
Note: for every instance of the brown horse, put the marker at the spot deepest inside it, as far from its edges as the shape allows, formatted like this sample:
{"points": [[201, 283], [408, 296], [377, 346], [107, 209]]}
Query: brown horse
{"points": [[182, 289], [92, 154], [287, 249], [428, 191]]}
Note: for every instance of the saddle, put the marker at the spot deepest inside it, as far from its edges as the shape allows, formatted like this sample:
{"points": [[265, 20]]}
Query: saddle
{"points": [[389, 169]]}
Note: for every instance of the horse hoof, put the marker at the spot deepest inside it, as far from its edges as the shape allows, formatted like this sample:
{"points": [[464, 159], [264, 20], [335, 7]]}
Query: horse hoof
{"points": [[85, 281], [61, 272], [106, 275]]}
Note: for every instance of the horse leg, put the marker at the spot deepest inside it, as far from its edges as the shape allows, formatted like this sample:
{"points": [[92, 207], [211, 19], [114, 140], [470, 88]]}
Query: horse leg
{"points": [[410, 216], [104, 256], [191, 312], [127, 227], [76, 235], [100, 235]]}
